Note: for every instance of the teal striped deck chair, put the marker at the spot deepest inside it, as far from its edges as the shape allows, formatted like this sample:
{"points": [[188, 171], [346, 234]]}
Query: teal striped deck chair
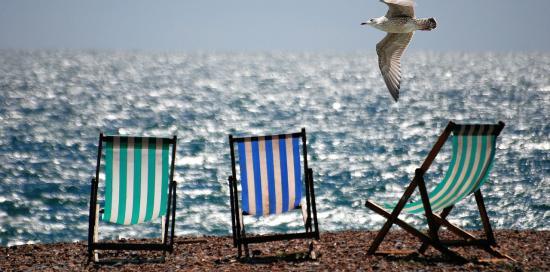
{"points": [[473, 153], [272, 181], [138, 187]]}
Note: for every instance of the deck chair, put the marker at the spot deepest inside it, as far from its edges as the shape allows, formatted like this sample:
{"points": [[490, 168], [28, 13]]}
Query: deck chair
{"points": [[138, 188], [473, 152], [272, 182]]}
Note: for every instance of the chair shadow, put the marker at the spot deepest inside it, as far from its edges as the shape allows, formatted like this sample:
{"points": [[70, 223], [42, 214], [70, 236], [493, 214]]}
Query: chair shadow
{"points": [[294, 257], [423, 259], [115, 262], [136, 258]]}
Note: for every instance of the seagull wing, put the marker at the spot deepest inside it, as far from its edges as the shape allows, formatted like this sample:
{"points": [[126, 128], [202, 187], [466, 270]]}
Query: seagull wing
{"points": [[399, 8], [389, 52]]}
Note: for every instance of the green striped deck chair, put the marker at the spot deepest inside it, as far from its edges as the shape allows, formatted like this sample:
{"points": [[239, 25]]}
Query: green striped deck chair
{"points": [[473, 153], [138, 187], [272, 183]]}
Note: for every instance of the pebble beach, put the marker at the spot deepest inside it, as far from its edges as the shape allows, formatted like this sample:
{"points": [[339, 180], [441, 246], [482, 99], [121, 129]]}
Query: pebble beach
{"points": [[335, 251]]}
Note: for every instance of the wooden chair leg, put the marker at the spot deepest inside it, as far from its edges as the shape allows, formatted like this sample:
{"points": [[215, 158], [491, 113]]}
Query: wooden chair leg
{"points": [[400, 205], [239, 250], [162, 225], [443, 215], [381, 234], [233, 216], [245, 246], [484, 218], [242, 237], [432, 225], [313, 205], [96, 233]]}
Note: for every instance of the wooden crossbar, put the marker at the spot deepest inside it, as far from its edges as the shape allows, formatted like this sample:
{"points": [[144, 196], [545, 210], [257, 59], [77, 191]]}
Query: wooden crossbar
{"points": [[410, 229]]}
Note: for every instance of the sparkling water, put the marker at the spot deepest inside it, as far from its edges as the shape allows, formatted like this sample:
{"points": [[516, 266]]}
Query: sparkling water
{"points": [[362, 145]]}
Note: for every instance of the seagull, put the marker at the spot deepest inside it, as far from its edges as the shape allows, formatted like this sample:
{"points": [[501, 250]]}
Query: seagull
{"points": [[400, 24]]}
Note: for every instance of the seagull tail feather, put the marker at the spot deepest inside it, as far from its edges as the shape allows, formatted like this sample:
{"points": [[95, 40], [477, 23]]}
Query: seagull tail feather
{"points": [[427, 24]]}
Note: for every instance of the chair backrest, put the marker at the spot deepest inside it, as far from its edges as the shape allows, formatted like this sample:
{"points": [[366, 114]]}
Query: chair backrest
{"points": [[473, 152], [270, 173], [137, 174]]}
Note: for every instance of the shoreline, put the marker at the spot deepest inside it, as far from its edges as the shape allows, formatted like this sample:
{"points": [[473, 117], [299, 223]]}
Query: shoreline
{"points": [[343, 251]]}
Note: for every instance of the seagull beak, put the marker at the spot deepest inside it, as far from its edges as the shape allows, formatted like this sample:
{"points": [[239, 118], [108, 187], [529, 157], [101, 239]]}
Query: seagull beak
{"points": [[364, 23]]}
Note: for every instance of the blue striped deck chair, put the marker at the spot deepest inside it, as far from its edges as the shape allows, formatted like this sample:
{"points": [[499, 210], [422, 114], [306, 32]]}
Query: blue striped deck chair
{"points": [[473, 153], [274, 178], [138, 188]]}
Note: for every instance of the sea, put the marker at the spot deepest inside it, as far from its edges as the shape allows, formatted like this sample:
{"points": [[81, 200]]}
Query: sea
{"points": [[361, 144]]}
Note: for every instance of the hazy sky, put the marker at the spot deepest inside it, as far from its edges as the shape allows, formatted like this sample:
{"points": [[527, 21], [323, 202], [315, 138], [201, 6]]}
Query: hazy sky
{"points": [[259, 25]]}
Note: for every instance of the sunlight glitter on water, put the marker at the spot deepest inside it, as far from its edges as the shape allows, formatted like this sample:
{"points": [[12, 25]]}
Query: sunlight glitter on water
{"points": [[53, 104]]}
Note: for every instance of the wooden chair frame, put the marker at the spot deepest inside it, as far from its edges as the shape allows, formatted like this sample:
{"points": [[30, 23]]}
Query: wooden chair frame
{"points": [[167, 244], [240, 239], [435, 221]]}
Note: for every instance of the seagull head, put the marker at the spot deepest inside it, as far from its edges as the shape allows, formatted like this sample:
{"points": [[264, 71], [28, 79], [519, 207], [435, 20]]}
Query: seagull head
{"points": [[369, 22]]}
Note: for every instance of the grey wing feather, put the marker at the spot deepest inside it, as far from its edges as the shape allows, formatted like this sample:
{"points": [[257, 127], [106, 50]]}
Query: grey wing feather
{"points": [[399, 8], [389, 50]]}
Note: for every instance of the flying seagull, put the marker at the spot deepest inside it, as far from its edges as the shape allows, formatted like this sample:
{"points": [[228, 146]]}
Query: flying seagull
{"points": [[400, 23]]}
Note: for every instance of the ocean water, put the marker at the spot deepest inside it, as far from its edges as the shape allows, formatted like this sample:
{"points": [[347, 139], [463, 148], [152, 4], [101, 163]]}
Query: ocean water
{"points": [[53, 104]]}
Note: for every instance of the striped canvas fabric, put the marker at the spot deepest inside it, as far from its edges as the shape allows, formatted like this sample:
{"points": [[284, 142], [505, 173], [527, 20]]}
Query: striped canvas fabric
{"points": [[270, 174], [136, 179], [473, 152]]}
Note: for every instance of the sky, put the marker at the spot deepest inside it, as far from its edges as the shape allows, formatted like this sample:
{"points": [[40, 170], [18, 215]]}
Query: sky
{"points": [[260, 25]]}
